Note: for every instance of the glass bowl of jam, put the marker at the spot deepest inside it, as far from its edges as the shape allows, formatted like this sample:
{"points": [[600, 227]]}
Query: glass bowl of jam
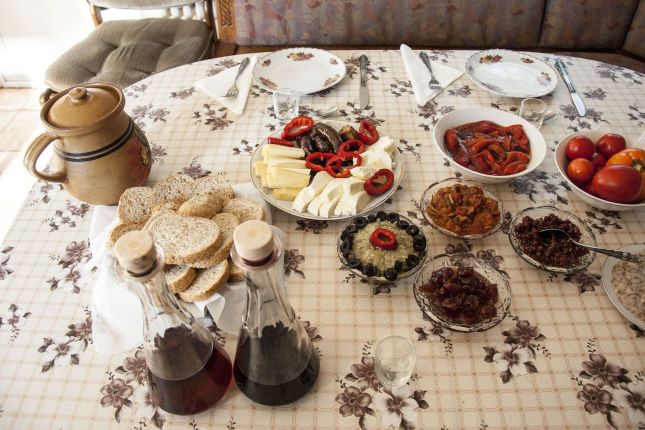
{"points": [[461, 208], [462, 293], [382, 247]]}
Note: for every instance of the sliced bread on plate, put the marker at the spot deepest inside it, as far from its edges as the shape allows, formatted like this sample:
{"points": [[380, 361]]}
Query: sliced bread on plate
{"points": [[179, 277], [205, 206], [120, 229], [227, 223], [135, 204], [176, 188], [244, 209], [215, 186], [207, 282]]}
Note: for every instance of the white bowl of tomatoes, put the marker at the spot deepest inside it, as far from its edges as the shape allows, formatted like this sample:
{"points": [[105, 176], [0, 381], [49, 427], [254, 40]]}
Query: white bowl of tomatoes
{"points": [[604, 169]]}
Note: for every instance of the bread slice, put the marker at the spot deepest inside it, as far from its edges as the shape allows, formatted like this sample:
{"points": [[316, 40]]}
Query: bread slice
{"points": [[135, 204], [179, 277], [236, 274], [184, 239], [176, 188], [227, 223], [244, 209], [215, 186], [120, 229], [207, 282], [205, 206], [172, 206]]}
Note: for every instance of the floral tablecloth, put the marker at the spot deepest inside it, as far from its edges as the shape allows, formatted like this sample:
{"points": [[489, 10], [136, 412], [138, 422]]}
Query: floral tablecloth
{"points": [[564, 358]]}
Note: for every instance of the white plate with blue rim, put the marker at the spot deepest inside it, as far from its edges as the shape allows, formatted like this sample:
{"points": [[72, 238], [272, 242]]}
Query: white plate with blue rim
{"points": [[511, 74]]}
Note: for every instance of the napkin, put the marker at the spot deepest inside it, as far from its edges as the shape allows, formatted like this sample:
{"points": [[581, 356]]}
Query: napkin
{"points": [[217, 85], [117, 316], [420, 75]]}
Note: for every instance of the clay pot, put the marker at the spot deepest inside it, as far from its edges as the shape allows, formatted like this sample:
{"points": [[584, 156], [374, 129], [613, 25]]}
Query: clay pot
{"points": [[98, 149]]}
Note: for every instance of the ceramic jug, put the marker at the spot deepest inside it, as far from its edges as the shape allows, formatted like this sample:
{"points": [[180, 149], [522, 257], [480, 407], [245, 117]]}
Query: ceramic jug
{"points": [[98, 150]]}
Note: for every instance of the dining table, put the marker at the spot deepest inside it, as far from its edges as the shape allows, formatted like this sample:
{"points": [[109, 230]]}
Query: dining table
{"points": [[564, 357]]}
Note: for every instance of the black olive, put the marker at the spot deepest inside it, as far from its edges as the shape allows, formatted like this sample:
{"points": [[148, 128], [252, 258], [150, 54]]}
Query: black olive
{"points": [[391, 274], [402, 224], [393, 217], [371, 218], [360, 222], [349, 255], [354, 264], [369, 270], [345, 245], [412, 230], [351, 229], [419, 238], [345, 235], [419, 246], [398, 266], [382, 216], [412, 260]]}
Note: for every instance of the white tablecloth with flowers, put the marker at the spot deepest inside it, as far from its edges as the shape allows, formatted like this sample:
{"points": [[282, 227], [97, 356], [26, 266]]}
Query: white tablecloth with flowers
{"points": [[564, 358]]}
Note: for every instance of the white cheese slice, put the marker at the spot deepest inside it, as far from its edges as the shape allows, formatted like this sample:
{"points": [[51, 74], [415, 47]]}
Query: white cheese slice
{"points": [[287, 178], [363, 172], [259, 168], [327, 208], [351, 204], [303, 198], [383, 144], [314, 205], [353, 185], [287, 194], [332, 190], [286, 162], [377, 158], [320, 181], [269, 151]]}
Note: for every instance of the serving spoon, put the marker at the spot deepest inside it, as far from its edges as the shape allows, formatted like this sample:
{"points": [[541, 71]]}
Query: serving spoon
{"points": [[622, 255]]}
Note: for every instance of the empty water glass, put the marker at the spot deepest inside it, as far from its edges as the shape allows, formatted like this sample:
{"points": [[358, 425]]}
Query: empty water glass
{"points": [[285, 104], [394, 361], [533, 110]]}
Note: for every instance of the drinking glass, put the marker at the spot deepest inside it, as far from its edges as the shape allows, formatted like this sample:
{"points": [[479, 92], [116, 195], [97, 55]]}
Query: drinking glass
{"points": [[285, 104], [533, 110], [394, 361]]}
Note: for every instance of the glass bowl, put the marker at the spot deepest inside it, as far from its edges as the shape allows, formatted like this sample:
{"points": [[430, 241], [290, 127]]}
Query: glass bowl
{"points": [[432, 190], [586, 237], [493, 275], [381, 279]]}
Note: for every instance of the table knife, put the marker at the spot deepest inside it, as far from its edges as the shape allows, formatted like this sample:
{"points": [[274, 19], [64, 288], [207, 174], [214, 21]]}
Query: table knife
{"points": [[364, 96], [575, 97]]}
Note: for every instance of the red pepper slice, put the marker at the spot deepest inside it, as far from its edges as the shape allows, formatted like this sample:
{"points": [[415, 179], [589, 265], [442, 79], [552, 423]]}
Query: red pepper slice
{"points": [[278, 141], [317, 161], [299, 125], [379, 183], [352, 145], [337, 166], [384, 239], [367, 132]]}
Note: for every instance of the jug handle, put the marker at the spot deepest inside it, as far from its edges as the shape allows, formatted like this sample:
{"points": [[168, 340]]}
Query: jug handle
{"points": [[31, 157]]}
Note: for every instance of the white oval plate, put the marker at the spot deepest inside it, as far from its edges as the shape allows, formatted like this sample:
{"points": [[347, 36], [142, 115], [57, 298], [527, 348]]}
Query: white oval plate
{"points": [[607, 273], [511, 74], [304, 70], [285, 205]]}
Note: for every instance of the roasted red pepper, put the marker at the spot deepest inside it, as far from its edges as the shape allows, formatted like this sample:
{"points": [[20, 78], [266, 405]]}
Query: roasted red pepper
{"points": [[338, 166], [352, 145], [299, 125], [384, 239], [367, 132], [278, 141], [379, 183], [317, 161]]}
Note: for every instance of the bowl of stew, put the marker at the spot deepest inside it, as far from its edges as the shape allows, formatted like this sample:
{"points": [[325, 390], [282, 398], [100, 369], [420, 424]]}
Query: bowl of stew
{"points": [[489, 145], [461, 208]]}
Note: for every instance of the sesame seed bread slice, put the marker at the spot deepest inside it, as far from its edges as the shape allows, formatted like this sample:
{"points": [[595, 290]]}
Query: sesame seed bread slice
{"points": [[135, 204], [244, 209], [179, 277], [205, 206], [215, 186], [184, 239], [177, 188], [119, 230], [207, 282], [227, 223]]}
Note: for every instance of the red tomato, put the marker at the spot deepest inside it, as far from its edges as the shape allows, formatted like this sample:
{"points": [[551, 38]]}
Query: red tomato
{"points": [[610, 143], [617, 183], [598, 160], [589, 189], [580, 171], [580, 147]]}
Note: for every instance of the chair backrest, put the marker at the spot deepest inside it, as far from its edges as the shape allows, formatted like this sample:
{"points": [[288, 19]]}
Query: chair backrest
{"points": [[185, 9]]}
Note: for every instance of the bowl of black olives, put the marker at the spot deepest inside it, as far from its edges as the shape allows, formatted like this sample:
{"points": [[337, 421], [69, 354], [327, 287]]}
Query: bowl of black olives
{"points": [[382, 247]]}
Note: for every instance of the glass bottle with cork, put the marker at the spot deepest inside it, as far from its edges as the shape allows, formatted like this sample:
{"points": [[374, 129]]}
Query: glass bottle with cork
{"points": [[188, 372]]}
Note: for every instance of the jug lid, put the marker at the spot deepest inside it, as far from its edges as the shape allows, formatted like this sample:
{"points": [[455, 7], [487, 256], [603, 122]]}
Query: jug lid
{"points": [[253, 240], [84, 105], [136, 252]]}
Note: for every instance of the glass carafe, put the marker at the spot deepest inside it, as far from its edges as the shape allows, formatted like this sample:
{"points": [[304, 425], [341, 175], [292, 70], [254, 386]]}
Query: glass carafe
{"points": [[188, 372], [275, 362]]}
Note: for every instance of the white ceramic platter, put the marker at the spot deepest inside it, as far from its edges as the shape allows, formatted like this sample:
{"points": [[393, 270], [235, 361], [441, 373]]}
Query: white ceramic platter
{"points": [[511, 74], [285, 206], [304, 70], [607, 284]]}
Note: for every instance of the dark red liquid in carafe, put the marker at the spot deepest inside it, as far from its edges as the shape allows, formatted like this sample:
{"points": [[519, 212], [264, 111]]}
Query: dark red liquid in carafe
{"points": [[199, 391]]}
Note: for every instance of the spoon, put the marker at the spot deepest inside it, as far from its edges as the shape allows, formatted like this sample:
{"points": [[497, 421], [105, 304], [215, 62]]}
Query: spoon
{"points": [[622, 255], [323, 113]]}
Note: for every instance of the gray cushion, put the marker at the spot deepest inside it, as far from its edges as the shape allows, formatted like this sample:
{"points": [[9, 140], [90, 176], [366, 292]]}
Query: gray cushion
{"points": [[124, 52]]}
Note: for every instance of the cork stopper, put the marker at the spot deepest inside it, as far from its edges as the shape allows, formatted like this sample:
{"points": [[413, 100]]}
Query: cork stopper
{"points": [[253, 240], [136, 252]]}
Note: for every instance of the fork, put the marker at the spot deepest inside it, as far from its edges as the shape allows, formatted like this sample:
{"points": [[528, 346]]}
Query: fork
{"points": [[233, 91], [434, 83]]}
